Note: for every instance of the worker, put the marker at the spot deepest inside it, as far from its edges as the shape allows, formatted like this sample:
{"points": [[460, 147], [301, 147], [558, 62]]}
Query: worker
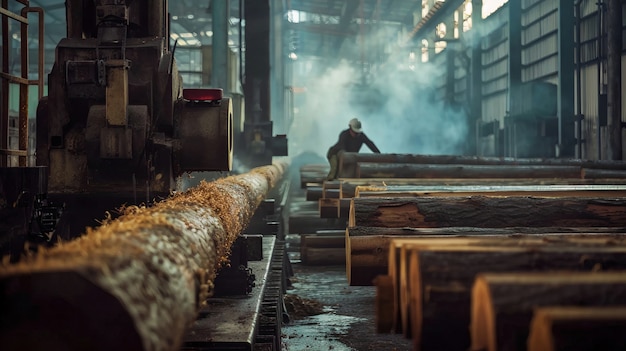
{"points": [[350, 140]]}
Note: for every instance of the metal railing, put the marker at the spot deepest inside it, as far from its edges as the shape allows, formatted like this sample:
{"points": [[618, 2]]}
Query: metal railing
{"points": [[6, 78]]}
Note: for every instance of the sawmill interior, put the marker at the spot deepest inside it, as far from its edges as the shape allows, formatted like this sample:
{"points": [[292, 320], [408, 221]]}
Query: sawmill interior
{"points": [[171, 176]]}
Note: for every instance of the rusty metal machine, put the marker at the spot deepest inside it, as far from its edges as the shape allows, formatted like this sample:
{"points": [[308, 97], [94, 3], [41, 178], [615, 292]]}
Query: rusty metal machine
{"points": [[118, 126]]}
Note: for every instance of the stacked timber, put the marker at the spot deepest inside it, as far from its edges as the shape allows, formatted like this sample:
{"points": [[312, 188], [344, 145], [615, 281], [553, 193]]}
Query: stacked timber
{"points": [[502, 304], [326, 247], [369, 249], [313, 174], [578, 328], [350, 162], [483, 211], [439, 277]]}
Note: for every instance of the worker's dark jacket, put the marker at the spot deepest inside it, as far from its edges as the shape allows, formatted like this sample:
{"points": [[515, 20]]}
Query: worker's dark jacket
{"points": [[349, 143]]}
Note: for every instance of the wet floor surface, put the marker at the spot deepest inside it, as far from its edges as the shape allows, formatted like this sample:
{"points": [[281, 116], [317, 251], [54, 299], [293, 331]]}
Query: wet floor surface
{"points": [[347, 318]]}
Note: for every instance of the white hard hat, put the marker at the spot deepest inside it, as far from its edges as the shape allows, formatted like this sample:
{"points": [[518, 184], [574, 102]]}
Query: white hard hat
{"points": [[355, 125]]}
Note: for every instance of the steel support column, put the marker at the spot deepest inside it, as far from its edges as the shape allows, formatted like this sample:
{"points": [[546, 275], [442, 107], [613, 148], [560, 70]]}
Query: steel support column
{"points": [[515, 57], [514, 73], [220, 13], [565, 88], [614, 80], [258, 125], [475, 94]]}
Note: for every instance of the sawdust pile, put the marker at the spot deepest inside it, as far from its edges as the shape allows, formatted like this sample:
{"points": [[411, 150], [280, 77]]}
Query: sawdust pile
{"points": [[160, 262], [299, 308]]}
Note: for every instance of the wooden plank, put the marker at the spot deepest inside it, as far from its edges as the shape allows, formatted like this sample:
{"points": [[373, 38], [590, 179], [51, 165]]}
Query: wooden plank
{"points": [[348, 161], [502, 304], [482, 211], [348, 185], [493, 190], [578, 328], [408, 170]]}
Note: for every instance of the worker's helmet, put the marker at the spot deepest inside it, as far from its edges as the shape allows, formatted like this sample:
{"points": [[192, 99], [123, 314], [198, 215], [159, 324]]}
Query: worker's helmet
{"points": [[355, 125]]}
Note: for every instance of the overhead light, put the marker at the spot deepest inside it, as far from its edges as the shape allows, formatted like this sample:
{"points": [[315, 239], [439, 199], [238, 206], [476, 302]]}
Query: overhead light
{"points": [[293, 56]]}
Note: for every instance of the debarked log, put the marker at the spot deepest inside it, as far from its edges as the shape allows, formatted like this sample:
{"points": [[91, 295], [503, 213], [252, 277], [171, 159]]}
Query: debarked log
{"points": [[409, 170], [440, 278], [482, 211], [136, 282], [502, 303], [578, 328]]}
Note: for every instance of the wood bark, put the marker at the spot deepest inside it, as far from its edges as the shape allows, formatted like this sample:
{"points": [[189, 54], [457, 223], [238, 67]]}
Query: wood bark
{"points": [[578, 328], [502, 304], [481, 211], [148, 272], [368, 248], [408, 170], [348, 161]]}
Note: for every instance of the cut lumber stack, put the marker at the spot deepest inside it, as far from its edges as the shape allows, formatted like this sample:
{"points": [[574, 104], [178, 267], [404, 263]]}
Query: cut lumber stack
{"points": [[576, 328], [423, 227], [368, 249], [502, 304], [483, 211], [349, 163], [323, 248]]}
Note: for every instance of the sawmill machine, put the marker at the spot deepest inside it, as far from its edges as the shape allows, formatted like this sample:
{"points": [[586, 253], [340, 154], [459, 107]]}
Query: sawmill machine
{"points": [[118, 126]]}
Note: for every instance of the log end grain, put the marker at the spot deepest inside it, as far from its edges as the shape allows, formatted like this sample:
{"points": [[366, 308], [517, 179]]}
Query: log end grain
{"points": [[92, 319], [384, 303]]}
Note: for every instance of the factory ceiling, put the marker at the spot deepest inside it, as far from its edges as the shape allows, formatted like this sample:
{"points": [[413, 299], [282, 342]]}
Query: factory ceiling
{"points": [[313, 27]]}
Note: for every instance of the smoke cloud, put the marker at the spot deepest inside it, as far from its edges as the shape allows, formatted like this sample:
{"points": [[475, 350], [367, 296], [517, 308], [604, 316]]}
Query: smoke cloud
{"points": [[397, 104]]}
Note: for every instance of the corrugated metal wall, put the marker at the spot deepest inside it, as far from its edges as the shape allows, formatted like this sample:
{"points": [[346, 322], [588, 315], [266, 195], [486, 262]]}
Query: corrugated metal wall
{"points": [[539, 40], [540, 63], [495, 56]]}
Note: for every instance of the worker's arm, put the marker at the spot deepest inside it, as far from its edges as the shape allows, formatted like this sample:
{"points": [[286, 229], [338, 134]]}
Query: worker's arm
{"points": [[370, 144]]}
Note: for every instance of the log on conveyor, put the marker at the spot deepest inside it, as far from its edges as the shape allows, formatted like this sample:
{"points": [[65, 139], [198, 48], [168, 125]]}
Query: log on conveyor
{"points": [[349, 185], [409, 170], [348, 161], [439, 279], [136, 282], [502, 303], [368, 248], [577, 328], [482, 211]]}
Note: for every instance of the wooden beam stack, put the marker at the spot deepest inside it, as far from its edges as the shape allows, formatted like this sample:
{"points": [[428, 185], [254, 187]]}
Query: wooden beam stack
{"points": [[422, 228]]}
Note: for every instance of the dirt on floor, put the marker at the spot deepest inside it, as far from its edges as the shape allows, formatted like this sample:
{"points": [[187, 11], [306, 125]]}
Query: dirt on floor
{"points": [[328, 314]]}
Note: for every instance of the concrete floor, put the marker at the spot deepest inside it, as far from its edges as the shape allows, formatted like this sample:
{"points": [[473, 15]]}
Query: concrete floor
{"points": [[347, 317]]}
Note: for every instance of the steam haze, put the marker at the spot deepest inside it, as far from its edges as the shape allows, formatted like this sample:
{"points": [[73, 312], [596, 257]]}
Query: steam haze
{"points": [[396, 107]]}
